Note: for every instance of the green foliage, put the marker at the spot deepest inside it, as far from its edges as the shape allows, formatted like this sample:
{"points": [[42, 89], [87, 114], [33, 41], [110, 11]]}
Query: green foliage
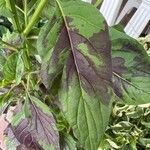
{"points": [[2, 61], [129, 128], [80, 83], [38, 125], [60, 71], [13, 68], [4, 8], [145, 42]]}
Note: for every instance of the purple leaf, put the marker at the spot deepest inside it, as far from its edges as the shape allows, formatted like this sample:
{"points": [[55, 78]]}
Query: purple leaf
{"points": [[34, 126]]}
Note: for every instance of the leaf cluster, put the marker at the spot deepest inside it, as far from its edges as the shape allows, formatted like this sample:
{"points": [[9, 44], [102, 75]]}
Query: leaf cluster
{"points": [[129, 128], [62, 67]]}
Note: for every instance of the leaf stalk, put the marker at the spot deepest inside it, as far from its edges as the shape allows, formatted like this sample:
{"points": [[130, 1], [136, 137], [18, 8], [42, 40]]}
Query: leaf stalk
{"points": [[35, 17]]}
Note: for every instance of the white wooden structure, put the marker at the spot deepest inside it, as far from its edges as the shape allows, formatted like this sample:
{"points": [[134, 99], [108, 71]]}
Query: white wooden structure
{"points": [[113, 15]]}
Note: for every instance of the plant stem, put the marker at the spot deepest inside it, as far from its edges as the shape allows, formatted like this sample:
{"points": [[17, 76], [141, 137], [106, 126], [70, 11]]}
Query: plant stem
{"points": [[24, 85], [97, 3], [35, 17], [8, 93], [13, 8], [19, 9], [25, 12]]}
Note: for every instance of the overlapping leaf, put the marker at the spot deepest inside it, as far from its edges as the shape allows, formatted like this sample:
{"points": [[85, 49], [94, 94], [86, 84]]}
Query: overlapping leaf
{"points": [[34, 128], [2, 60], [67, 142], [9, 70], [126, 129], [13, 68], [83, 53], [131, 69]]}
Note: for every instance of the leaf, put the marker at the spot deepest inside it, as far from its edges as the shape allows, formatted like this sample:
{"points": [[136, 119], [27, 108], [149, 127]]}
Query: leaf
{"points": [[47, 38], [19, 68], [68, 142], [85, 92], [53, 56], [9, 70], [2, 60], [4, 10], [37, 130], [112, 144], [131, 69], [49, 10], [145, 142], [14, 68]]}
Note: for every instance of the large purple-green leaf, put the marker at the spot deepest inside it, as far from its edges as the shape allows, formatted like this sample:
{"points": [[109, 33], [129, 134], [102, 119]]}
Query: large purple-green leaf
{"points": [[77, 45], [34, 127], [131, 69], [85, 91]]}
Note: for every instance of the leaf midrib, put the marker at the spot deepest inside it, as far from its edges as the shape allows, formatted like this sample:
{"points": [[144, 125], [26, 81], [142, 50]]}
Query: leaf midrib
{"points": [[72, 49], [70, 40]]}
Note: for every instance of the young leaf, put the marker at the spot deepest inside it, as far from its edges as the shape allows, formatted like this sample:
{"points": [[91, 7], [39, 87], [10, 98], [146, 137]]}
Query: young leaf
{"points": [[9, 70], [13, 68], [131, 69], [85, 92], [19, 68], [2, 60], [37, 130]]}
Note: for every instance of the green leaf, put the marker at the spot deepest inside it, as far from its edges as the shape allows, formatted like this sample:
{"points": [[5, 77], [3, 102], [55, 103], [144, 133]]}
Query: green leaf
{"points": [[52, 47], [85, 91], [13, 68], [9, 70], [145, 142], [131, 69], [68, 142], [4, 10], [48, 37], [35, 131], [49, 10], [19, 68], [2, 60]]}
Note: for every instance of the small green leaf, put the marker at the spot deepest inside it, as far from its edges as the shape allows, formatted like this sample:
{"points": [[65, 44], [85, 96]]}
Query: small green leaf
{"points": [[9, 70], [13, 68], [19, 68], [2, 61]]}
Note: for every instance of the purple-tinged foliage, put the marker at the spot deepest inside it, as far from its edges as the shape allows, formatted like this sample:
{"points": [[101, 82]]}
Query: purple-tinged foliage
{"points": [[34, 129], [131, 69], [82, 54]]}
